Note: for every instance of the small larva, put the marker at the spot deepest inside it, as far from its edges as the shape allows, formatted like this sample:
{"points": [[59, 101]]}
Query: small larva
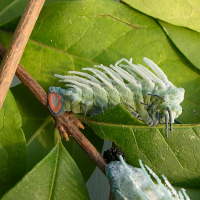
{"points": [[152, 99], [128, 182]]}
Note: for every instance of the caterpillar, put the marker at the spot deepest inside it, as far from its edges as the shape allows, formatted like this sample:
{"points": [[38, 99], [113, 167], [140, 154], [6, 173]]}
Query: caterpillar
{"points": [[128, 182], [148, 96]]}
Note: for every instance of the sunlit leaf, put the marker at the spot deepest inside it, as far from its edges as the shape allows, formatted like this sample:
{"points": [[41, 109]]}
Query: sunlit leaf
{"points": [[181, 13]]}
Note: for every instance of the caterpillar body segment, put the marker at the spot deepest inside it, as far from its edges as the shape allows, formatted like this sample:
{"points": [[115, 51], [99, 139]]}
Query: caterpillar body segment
{"points": [[150, 97], [128, 182]]}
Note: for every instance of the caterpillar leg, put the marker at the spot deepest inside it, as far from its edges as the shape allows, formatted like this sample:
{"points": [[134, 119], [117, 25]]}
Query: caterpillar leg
{"points": [[102, 109], [86, 107], [144, 104], [178, 122], [166, 125], [170, 118], [155, 95]]}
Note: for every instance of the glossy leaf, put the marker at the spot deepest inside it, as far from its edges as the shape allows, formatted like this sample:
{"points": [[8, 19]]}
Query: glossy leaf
{"points": [[55, 177], [186, 40], [38, 127], [182, 13], [13, 153], [73, 35]]}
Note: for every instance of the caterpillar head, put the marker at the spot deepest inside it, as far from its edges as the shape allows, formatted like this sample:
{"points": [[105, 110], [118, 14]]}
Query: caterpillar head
{"points": [[55, 101]]}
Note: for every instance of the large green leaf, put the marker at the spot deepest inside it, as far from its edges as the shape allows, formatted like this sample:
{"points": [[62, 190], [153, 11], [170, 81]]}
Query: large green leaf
{"points": [[181, 12], [55, 177], [13, 153], [177, 157], [38, 127], [186, 40], [73, 35]]}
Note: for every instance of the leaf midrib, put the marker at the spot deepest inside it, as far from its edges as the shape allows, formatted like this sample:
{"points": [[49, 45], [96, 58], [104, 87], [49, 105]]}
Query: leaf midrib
{"points": [[54, 171]]}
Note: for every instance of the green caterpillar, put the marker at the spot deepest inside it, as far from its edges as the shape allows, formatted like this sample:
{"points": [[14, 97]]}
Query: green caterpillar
{"points": [[149, 97]]}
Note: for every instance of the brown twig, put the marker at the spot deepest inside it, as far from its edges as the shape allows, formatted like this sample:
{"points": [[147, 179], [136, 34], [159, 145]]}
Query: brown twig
{"points": [[66, 121], [17, 45]]}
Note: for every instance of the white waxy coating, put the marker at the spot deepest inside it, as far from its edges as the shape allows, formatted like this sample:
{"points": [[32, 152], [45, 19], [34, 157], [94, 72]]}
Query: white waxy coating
{"points": [[148, 96], [128, 182]]}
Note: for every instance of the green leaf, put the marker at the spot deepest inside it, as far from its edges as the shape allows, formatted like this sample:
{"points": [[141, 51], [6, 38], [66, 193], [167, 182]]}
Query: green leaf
{"points": [[38, 127], [72, 35], [13, 153], [83, 161], [177, 157], [186, 40], [180, 13], [55, 177], [11, 9]]}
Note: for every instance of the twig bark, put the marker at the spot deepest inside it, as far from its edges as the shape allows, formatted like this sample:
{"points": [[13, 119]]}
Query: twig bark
{"points": [[17, 45], [66, 121]]}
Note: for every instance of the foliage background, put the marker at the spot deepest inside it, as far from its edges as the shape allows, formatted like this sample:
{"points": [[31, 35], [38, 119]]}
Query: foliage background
{"points": [[177, 157]]}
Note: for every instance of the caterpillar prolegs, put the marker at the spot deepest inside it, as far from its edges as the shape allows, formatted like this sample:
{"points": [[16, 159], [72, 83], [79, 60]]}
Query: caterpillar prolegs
{"points": [[149, 97]]}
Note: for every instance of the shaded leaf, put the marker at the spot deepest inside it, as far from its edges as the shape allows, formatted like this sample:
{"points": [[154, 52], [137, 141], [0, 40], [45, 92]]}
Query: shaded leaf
{"points": [[177, 157], [73, 35], [38, 127], [186, 40], [13, 153], [181, 13], [83, 161], [55, 177], [11, 9]]}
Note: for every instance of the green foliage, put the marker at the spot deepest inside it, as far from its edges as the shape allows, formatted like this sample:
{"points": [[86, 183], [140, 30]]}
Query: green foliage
{"points": [[186, 40], [38, 127], [55, 177], [75, 34], [181, 13], [13, 153]]}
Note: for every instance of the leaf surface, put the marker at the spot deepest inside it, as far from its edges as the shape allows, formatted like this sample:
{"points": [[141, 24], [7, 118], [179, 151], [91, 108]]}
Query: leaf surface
{"points": [[55, 177], [11, 9], [176, 157], [72, 35], [181, 13], [13, 154], [186, 40]]}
